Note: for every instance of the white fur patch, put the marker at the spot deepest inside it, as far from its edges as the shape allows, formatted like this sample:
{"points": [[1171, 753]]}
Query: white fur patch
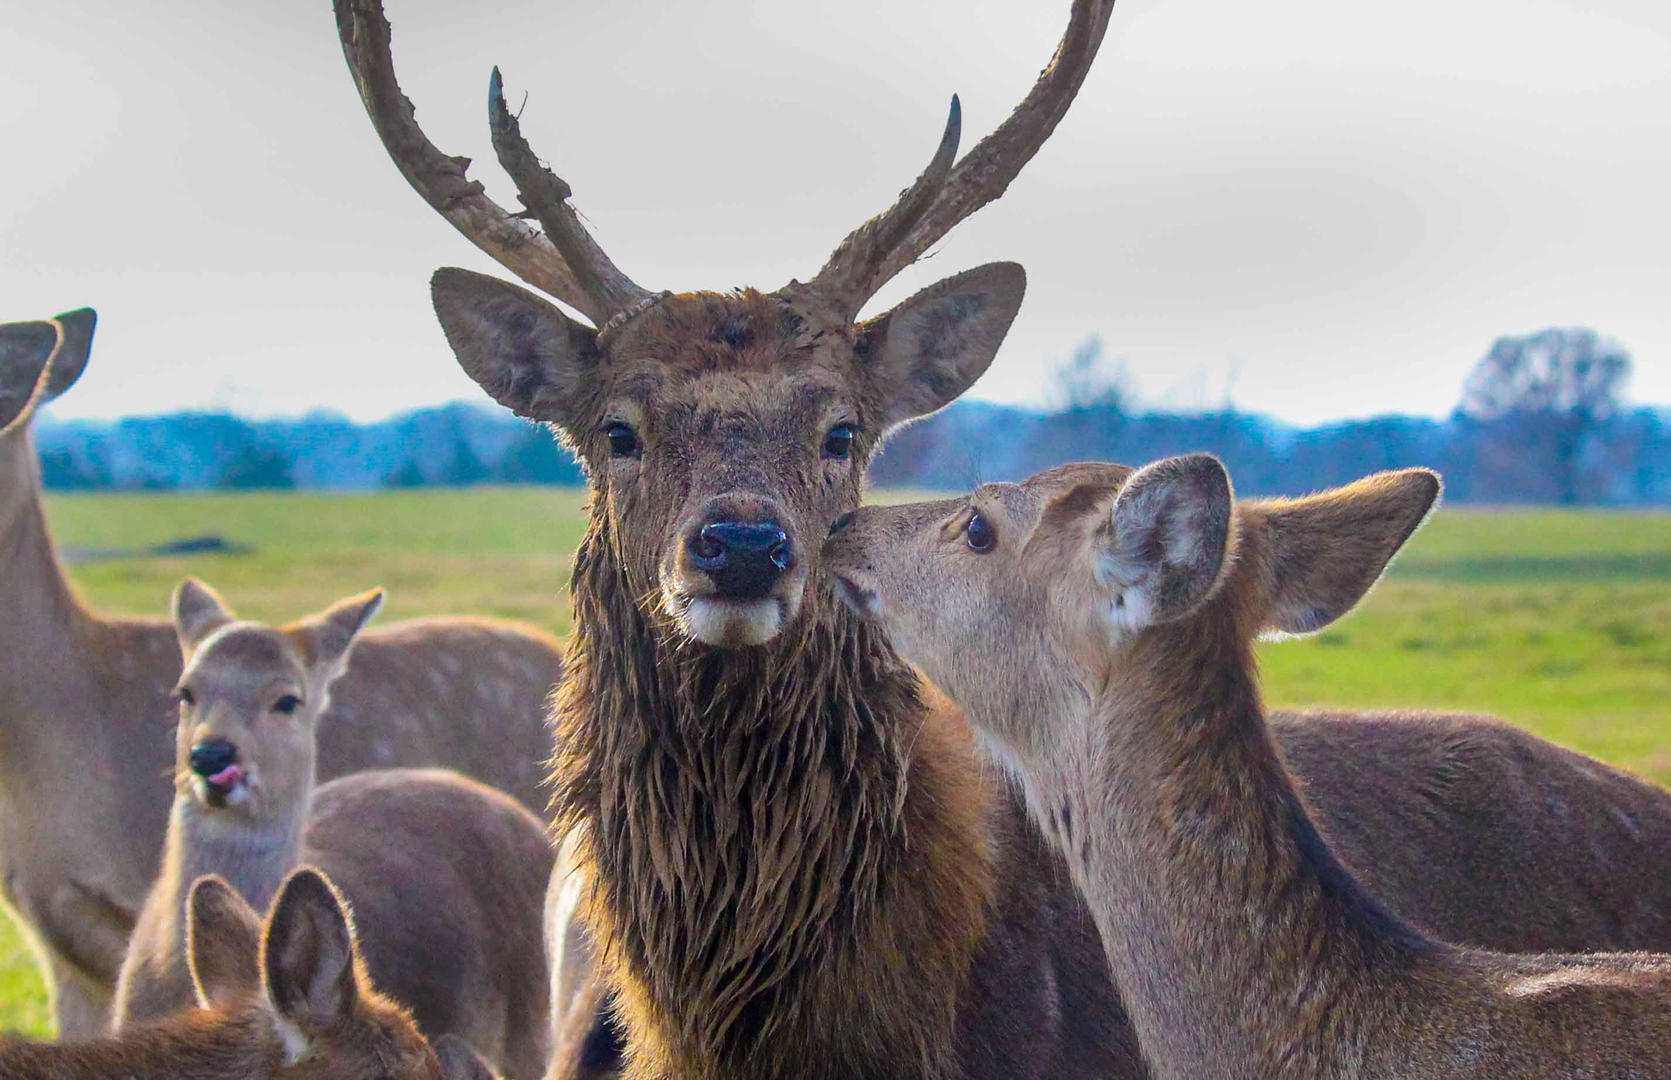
{"points": [[291, 1037], [731, 622]]}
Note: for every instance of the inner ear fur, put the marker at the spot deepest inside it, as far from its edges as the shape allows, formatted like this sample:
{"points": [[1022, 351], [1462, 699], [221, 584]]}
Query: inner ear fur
{"points": [[1326, 551], [26, 348], [922, 354], [308, 955], [223, 943], [527, 355], [1169, 538]]}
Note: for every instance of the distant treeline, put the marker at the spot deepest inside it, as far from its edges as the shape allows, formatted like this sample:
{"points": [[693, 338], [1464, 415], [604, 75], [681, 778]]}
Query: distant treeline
{"points": [[1540, 421]]}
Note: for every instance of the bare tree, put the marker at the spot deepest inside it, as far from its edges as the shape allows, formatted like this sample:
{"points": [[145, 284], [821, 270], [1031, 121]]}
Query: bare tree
{"points": [[1545, 395]]}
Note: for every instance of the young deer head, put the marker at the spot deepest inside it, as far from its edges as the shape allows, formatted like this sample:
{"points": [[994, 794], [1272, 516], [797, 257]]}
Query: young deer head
{"points": [[305, 974], [722, 432], [250, 697], [1024, 593]]}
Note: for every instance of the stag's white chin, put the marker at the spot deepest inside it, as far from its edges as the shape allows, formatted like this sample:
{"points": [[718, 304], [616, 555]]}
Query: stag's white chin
{"points": [[730, 624]]}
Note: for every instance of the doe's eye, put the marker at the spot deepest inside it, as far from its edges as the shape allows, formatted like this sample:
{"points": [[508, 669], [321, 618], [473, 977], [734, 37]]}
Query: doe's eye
{"points": [[287, 705], [838, 443], [979, 534], [186, 697], [623, 441]]}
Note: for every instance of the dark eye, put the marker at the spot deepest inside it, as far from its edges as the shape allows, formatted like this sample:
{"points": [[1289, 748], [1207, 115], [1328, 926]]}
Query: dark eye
{"points": [[287, 704], [978, 534], [186, 697], [623, 441], [839, 442]]}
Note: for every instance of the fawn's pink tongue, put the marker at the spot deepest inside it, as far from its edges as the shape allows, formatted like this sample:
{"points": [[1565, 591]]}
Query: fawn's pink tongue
{"points": [[226, 777]]}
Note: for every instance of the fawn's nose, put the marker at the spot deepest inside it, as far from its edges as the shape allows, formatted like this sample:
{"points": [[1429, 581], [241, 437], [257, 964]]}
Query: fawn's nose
{"points": [[212, 757], [743, 560]]}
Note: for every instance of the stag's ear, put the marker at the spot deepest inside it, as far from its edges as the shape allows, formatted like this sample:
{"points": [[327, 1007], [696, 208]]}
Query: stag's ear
{"points": [[223, 943], [25, 350], [1326, 551], [1167, 541], [924, 353], [459, 1060], [71, 358], [527, 355], [198, 612], [308, 960], [331, 633]]}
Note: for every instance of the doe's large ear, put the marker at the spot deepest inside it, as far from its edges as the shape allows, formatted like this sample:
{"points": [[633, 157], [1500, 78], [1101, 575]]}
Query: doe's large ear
{"points": [[1327, 550], [331, 633], [1169, 534], [71, 358], [223, 943], [308, 959], [198, 612], [25, 350], [924, 353], [526, 354]]}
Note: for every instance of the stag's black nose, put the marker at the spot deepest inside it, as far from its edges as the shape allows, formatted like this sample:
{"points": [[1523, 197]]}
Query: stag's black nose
{"points": [[743, 561], [212, 756]]}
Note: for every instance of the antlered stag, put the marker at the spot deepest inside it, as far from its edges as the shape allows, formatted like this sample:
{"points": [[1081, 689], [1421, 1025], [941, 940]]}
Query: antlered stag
{"points": [[85, 702], [794, 866]]}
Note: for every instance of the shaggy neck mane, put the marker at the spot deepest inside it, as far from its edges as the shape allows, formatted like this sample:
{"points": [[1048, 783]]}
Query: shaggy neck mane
{"points": [[780, 885]]}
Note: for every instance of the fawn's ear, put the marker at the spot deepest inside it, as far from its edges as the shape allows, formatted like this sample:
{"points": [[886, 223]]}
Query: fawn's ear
{"points": [[331, 633], [1167, 539], [223, 943], [308, 960], [26, 349], [198, 612], [527, 355], [459, 1060], [71, 358], [924, 353], [1327, 550]]}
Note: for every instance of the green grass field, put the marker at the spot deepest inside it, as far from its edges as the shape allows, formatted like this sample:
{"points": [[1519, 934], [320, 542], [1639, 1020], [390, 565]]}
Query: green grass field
{"points": [[1559, 621]]}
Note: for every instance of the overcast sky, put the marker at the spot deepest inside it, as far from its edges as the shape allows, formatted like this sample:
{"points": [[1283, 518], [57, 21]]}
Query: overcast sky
{"points": [[1320, 208]]}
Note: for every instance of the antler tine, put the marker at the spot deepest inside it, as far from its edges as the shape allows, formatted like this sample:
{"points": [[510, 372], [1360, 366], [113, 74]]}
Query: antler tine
{"points": [[546, 195], [440, 178], [846, 274], [986, 171]]}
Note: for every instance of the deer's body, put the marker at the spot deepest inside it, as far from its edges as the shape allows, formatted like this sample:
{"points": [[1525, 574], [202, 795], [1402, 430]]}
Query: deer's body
{"points": [[447, 876], [288, 1001], [85, 708], [1111, 672]]}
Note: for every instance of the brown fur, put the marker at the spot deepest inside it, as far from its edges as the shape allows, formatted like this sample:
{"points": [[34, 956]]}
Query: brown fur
{"points": [[85, 709], [447, 874], [1241, 943], [242, 1033]]}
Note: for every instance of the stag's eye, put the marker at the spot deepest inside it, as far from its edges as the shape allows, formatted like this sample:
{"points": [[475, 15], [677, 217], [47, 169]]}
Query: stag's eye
{"points": [[287, 705], [839, 442], [623, 440], [186, 697], [979, 534]]}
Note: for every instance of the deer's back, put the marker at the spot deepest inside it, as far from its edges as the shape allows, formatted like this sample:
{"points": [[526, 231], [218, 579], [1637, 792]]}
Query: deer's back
{"points": [[1479, 833], [447, 881]]}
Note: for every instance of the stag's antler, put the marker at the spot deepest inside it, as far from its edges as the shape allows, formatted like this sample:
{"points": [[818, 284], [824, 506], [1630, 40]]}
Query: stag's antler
{"points": [[943, 196], [565, 262]]}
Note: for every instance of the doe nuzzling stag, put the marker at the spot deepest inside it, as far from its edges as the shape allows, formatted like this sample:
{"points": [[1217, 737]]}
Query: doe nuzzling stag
{"points": [[794, 866], [86, 702], [1096, 624]]}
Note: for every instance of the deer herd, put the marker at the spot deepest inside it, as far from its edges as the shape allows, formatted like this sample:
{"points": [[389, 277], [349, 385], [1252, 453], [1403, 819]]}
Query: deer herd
{"points": [[975, 788]]}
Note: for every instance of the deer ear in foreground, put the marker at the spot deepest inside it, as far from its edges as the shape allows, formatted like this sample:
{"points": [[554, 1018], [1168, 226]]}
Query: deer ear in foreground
{"points": [[26, 349], [308, 960], [223, 941]]}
